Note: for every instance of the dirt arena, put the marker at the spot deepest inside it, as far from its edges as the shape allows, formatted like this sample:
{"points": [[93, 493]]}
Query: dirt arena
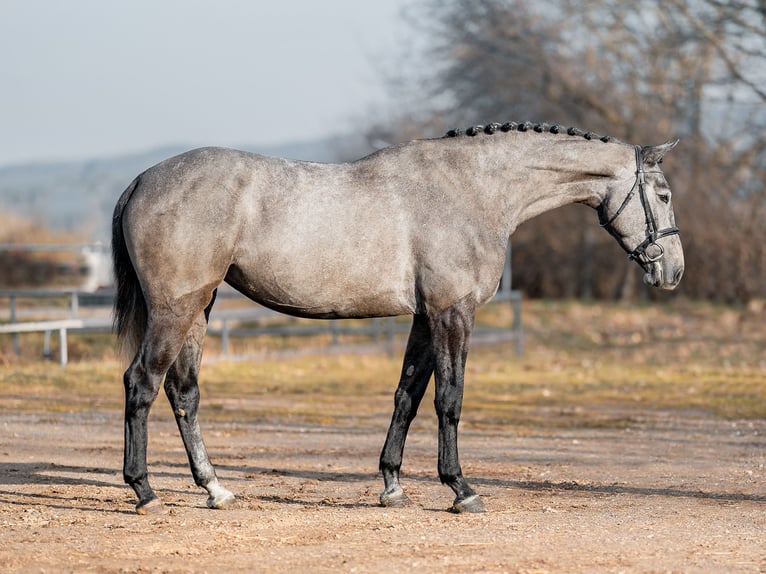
{"points": [[623, 441], [668, 494]]}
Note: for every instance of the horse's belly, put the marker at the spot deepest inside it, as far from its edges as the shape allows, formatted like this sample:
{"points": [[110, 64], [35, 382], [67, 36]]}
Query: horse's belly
{"points": [[311, 287]]}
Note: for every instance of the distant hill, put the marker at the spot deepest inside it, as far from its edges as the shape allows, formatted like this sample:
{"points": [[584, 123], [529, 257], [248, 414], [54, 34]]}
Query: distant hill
{"points": [[80, 195]]}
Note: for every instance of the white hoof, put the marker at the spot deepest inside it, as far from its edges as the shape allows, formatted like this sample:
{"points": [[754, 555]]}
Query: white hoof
{"points": [[220, 498]]}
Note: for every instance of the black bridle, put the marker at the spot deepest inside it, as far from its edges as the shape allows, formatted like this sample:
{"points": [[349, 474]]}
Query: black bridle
{"points": [[639, 254]]}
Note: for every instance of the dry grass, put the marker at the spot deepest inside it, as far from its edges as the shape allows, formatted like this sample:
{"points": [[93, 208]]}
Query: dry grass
{"points": [[584, 365]]}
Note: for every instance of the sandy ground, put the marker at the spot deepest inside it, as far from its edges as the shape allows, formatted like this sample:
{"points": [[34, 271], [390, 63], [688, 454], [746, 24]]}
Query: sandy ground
{"points": [[671, 493]]}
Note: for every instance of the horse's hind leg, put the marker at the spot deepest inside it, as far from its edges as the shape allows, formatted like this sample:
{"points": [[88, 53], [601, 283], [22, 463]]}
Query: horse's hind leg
{"points": [[162, 341], [182, 390], [416, 372]]}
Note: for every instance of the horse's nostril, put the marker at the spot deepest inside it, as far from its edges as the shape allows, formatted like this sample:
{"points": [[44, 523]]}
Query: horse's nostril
{"points": [[678, 275]]}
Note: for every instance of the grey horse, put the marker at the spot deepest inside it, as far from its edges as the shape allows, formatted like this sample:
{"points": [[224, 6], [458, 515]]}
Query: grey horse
{"points": [[419, 229]]}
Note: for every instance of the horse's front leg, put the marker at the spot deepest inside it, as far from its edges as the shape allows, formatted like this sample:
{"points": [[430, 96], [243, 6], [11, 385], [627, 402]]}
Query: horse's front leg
{"points": [[451, 331], [416, 372]]}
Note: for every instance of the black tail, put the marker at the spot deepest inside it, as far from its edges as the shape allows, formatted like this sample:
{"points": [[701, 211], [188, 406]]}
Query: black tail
{"points": [[130, 312]]}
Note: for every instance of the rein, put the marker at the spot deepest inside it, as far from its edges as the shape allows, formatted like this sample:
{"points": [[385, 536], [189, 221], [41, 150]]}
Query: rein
{"points": [[639, 254]]}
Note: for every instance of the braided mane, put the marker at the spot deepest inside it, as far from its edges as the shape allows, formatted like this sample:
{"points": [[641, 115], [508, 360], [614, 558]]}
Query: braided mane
{"points": [[528, 126]]}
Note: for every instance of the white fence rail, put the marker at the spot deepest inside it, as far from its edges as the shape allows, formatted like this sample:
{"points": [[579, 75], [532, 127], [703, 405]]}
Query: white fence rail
{"points": [[91, 312]]}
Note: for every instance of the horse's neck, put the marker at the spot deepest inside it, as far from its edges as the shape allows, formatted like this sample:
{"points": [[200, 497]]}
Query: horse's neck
{"points": [[545, 190], [529, 174]]}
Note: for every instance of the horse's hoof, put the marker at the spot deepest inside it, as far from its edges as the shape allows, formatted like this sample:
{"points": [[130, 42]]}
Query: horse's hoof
{"points": [[152, 506], [395, 499], [222, 500], [472, 504]]}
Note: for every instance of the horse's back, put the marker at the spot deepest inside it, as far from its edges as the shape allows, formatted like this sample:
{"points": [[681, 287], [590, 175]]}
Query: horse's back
{"points": [[323, 240]]}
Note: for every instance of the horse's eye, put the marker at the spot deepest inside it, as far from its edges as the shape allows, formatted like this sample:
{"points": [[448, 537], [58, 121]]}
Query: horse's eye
{"points": [[664, 197]]}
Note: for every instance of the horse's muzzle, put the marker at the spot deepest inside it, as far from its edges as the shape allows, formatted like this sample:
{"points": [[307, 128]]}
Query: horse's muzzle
{"points": [[656, 277]]}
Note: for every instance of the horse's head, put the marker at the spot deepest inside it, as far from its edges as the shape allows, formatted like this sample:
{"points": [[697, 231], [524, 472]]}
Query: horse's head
{"points": [[641, 219]]}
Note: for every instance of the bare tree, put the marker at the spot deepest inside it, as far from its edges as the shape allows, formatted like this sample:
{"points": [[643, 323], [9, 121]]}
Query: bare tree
{"points": [[644, 71]]}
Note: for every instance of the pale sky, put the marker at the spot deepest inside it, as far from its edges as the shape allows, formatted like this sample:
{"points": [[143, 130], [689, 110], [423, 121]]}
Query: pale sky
{"points": [[92, 78]]}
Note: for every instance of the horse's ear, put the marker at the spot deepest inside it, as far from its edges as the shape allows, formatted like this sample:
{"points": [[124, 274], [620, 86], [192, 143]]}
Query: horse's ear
{"points": [[652, 154]]}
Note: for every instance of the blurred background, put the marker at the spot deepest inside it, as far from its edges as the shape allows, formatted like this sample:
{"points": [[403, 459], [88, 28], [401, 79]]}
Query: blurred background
{"points": [[94, 92], [625, 433]]}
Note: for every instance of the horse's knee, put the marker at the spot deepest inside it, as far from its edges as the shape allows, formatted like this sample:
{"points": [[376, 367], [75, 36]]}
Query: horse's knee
{"points": [[403, 399], [448, 408]]}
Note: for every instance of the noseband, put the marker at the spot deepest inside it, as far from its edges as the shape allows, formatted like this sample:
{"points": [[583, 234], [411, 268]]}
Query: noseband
{"points": [[639, 254]]}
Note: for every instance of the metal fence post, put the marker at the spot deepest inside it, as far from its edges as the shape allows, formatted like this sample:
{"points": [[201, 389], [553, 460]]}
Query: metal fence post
{"points": [[63, 354], [517, 326], [15, 336], [75, 304]]}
